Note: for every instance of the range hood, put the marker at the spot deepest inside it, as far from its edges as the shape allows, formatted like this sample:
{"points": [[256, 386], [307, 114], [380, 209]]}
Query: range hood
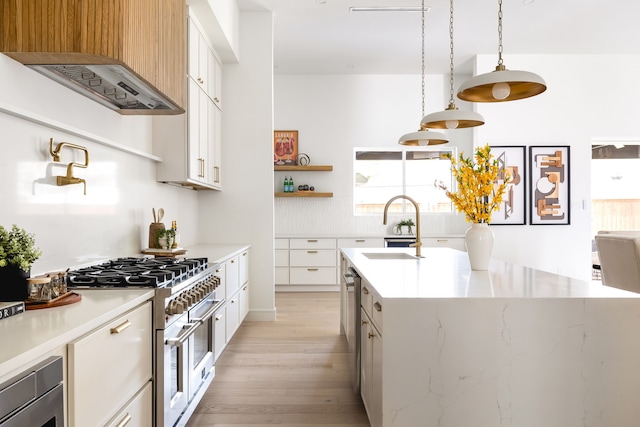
{"points": [[127, 55]]}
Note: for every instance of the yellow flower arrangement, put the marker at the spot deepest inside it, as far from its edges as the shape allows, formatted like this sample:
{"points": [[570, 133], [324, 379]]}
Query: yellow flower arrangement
{"points": [[479, 191]]}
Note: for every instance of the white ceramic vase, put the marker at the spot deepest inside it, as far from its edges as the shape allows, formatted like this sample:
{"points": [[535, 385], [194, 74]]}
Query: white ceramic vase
{"points": [[479, 242]]}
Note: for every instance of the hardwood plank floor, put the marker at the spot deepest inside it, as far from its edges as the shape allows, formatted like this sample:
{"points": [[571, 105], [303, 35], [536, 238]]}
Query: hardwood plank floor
{"points": [[291, 372]]}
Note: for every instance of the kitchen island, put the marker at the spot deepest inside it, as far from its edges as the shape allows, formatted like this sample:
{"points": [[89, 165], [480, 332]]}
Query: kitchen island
{"points": [[511, 346]]}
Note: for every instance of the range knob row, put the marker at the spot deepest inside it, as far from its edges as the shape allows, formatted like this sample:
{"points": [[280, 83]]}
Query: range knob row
{"points": [[191, 296]]}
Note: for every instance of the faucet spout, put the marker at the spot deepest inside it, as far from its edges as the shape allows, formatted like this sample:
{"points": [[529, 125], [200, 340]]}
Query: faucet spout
{"points": [[418, 243]]}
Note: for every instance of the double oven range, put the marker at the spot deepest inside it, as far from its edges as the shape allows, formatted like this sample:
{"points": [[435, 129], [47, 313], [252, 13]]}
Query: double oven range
{"points": [[183, 322]]}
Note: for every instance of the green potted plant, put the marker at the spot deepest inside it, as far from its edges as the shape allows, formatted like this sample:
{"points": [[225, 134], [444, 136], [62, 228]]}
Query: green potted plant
{"points": [[18, 251], [165, 237], [408, 223]]}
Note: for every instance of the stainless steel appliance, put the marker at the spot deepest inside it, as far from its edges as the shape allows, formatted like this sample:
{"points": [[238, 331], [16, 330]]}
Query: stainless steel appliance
{"points": [[184, 331], [34, 398], [351, 282], [399, 242]]}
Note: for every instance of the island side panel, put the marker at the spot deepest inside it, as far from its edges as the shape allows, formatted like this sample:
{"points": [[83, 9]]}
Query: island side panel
{"points": [[511, 362]]}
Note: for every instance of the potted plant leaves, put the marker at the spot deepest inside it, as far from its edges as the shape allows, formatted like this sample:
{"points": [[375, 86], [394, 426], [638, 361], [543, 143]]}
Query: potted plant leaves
{"points": [[405, 226], [18, 251]]}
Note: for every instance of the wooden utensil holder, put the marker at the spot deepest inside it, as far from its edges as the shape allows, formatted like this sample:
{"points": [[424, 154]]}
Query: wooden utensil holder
{"points": [[154, 227]]}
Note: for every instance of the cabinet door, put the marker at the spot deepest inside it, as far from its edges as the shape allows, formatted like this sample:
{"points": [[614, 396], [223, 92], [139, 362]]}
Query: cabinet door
{"points": [[108, 367], [243, 268], [138, 412], [194, 131], [366, 363], [220, 319], [215, 76], [216, 155], [193, 68], [233, 313], [221, 290], [232, 267], [244, 303]]}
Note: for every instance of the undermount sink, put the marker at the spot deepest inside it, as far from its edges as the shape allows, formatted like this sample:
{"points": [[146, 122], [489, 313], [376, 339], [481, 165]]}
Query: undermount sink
{"points": [[390, 255]]}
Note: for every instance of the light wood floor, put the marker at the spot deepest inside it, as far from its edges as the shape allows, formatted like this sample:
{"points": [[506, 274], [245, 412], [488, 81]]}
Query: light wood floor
{"points": [[291, 372]]}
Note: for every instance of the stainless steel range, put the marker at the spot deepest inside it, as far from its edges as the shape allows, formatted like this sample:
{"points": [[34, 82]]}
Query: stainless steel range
{"points": [[183, 321]]}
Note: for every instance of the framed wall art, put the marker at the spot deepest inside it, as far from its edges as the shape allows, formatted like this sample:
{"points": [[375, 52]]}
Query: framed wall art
{"points": [[512, 163], [549, 194], [285, 147]]}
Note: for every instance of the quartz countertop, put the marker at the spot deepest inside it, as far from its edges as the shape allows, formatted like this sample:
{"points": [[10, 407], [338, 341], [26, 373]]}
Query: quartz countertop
{"points": [[33, 333], [445, 273], [215, 253]]}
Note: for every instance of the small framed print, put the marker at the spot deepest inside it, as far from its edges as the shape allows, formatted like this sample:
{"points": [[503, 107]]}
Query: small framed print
{"points": [[285, 147], [511, 163], [550, 191]]}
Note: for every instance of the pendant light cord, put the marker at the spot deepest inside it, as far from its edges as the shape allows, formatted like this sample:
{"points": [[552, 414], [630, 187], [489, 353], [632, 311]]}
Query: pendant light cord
{"points": [[500, 33], [451, 102], [423, 69]]}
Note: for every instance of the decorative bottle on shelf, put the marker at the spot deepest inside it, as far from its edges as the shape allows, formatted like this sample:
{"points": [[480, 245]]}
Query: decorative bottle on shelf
{"points": [[176, 238], [291, 187], [285, 186]]}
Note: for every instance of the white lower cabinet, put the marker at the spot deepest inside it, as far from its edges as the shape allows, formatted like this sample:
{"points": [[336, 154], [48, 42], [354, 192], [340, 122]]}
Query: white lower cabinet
{"points": [[282, 262], [109, 368], [138, 412], [233, 315], [244, 303], [220, 327], [371, 369], [445, 242]]}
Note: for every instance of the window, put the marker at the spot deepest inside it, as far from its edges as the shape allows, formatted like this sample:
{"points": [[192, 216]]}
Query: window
{"points": [[380, 174]]}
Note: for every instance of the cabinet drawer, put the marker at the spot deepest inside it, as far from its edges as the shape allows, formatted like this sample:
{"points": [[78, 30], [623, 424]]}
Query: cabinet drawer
{"points": [[221, 290], [282, 258], [312, 243], [366, 297], [282, 275], [312, 276], [282, 244], [376, 311], [220, 319], [361, 243], [445, 242], [312, 258], [232, 274], [108, 366], [233, 313], [138, 412]]}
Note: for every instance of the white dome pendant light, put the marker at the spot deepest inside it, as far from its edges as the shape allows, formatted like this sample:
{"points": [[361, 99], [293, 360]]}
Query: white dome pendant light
{"points": [[423, 136], [451, 117], [501, 84]]}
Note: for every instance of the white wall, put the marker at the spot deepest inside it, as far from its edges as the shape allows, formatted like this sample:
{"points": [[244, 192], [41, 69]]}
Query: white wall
{"points": [[589, 97], [243, 211], [113, 219]]}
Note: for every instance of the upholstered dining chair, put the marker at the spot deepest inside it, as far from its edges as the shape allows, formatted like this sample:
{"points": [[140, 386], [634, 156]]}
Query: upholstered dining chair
{"points": [[619, 253]]}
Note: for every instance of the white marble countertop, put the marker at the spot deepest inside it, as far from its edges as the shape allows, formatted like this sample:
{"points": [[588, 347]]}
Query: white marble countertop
{"points": [[215, 253], [28, 335], [445, 273]]}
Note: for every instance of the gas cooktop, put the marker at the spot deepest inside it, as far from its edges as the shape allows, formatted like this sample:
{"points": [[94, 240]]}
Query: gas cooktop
{"points": [[136, 272]]}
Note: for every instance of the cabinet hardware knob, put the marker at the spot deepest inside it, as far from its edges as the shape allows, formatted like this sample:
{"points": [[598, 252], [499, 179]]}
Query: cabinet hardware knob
{"points": [[377, 306], [371, 335], [218, 318], [233, 301], [120, 327], [364, 322], [365, 290]]}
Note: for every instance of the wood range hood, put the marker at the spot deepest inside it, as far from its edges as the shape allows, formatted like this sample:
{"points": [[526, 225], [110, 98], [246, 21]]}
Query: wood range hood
{"points": [[128, 55]]}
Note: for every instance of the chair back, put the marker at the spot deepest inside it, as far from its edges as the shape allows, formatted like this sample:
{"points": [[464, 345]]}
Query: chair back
{"points": [[619, 253]]}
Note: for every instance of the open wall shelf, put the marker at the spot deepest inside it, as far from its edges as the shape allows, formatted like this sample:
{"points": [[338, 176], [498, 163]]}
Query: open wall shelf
{"points": [[298, 168]]}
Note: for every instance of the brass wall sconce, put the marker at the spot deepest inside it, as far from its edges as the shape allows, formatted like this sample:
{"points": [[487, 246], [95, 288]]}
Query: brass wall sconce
{"points": [[69, 178]]}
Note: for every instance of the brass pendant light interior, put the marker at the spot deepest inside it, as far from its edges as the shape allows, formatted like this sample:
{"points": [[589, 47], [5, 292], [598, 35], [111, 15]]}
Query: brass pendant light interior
{"points": [[501, 84]]}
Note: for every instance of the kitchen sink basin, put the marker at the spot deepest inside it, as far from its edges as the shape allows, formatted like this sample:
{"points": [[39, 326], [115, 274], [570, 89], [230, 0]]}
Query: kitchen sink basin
{"points": [[390, 255]]}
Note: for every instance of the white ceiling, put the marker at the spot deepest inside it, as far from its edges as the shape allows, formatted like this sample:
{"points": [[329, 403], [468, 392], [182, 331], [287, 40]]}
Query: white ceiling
{"points": [[323, 37]]}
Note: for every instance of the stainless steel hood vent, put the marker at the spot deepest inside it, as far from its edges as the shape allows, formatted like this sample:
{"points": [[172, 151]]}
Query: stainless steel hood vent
{"points": [[111, 85]]}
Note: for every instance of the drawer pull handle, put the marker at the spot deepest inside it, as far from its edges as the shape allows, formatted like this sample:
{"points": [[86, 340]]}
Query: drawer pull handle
{"points": [[233, 301], [312, 241], [371, 335], [244, 254], [124, 421], [377, 306], [244, 289], [359, 240], [365, 290], [233, 261], [120, 327], [219, 317], [364, 322], [312, 269], [312, 252], [443, 240]]}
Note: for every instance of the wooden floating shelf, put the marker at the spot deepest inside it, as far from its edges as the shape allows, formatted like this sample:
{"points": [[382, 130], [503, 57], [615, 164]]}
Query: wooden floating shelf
{"points": [[304, 194], [302, 168]]}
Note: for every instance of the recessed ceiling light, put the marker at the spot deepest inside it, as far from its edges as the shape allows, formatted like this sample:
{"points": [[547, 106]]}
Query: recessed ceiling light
{"points": [[388, 9]]}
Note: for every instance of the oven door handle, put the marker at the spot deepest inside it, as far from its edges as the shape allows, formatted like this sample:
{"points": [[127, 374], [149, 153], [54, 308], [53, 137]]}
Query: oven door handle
{"points": [[189, 329], [216, 305]]}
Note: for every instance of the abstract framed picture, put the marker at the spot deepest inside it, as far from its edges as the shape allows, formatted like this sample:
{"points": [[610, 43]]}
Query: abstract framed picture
{"points": [[512, 163], [285, 147], [549, 185]]}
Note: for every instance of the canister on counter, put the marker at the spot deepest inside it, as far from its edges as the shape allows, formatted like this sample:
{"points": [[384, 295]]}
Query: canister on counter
{"points": [[39, 288], [58, 283]]}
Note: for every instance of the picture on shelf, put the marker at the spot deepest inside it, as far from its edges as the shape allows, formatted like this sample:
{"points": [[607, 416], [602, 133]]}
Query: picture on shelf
{"points": [[285, 147]]}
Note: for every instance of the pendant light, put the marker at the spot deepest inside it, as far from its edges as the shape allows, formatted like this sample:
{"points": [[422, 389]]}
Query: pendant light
{"points": [[501, 84], [451, 117], [423, 136]]}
